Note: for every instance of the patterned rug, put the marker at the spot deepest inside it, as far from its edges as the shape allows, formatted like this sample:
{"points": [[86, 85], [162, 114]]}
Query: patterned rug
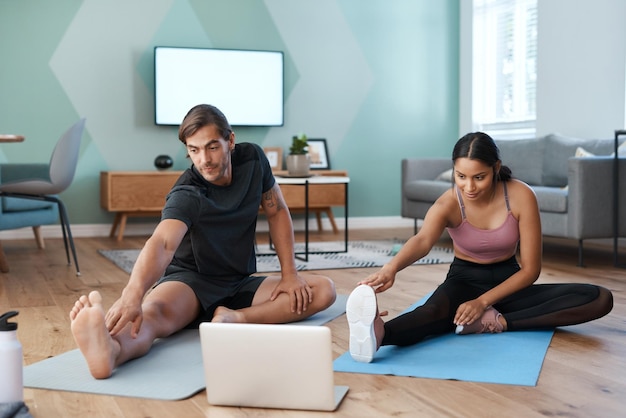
{"points": [[360, 254]]}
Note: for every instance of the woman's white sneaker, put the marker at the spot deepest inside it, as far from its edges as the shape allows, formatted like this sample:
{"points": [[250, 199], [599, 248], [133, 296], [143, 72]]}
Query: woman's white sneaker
{"points": [[361, 310]]}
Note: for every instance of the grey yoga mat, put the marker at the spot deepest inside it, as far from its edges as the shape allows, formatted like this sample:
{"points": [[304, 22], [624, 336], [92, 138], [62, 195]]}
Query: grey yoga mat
{"points": [[172, 370]]}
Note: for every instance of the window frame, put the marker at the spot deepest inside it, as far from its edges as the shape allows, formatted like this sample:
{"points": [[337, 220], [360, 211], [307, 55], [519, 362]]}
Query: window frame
{"points": [[489, 104]]}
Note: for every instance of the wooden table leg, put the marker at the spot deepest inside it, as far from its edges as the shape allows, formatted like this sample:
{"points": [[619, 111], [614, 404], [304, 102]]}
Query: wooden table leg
{"points": [[318, 217], [331, 218], [4, 266], [38, 237], [116, 222], [119, 225], [120, 233]]}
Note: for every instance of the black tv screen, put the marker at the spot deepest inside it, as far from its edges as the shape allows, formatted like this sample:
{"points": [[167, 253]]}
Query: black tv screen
{"points": [[246, 85]]}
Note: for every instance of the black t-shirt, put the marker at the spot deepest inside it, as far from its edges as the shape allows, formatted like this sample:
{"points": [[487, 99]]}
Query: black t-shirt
{"points": [[221, 219]]}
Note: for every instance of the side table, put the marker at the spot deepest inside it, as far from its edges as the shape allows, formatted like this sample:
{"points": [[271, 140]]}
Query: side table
{"points": [[308, 184], [323, 197]]}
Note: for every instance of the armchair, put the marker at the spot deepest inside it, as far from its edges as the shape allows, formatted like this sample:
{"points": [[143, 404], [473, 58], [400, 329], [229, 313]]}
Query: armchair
{"points": [[19, 213], [34, 188]]}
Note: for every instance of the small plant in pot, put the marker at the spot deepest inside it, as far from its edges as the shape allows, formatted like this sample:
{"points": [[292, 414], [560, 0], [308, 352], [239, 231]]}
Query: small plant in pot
{"points": [[298, 159]]}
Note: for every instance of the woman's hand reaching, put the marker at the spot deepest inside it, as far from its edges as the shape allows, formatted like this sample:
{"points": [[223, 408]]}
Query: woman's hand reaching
{"points": [[382, 280]]}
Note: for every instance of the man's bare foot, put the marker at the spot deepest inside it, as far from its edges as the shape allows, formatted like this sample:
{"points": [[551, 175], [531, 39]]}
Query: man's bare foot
{"points": [[223, 314], [92, 337]]}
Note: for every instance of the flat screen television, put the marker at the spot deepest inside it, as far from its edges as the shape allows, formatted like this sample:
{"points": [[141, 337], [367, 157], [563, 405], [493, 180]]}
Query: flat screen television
{"points": [[246, 85]]}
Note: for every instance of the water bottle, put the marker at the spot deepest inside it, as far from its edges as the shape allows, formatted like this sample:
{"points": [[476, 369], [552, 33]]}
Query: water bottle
{"points": [[11, 361]]}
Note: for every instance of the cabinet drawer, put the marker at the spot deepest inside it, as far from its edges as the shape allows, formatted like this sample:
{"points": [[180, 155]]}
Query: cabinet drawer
{"points": [[320, 195], [135, 191]]}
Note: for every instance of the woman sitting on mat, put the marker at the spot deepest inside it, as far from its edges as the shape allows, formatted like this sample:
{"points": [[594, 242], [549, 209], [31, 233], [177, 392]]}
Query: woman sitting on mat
{"points": [[487, 214]]}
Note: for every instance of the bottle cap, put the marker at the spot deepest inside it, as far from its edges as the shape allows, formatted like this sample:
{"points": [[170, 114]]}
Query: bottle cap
{"points": [[5, 325]]}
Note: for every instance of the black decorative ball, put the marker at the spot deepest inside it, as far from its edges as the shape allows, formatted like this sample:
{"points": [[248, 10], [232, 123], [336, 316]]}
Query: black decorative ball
{"points": [[163, 162]]}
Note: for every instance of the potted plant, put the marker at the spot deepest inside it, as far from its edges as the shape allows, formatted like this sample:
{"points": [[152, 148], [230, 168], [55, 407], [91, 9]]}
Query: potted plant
{"points": [[298, 158]]}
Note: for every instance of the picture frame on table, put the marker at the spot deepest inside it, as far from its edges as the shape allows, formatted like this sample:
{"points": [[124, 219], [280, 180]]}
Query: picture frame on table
{"points": [[275, 157], [318, 154]]}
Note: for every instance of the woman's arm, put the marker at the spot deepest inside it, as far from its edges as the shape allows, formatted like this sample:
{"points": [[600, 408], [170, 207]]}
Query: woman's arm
{"points": [[436, 220]]}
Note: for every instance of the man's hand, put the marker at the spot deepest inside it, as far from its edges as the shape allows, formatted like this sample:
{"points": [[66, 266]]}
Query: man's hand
{"points": [[299, 292], [125, 310]]}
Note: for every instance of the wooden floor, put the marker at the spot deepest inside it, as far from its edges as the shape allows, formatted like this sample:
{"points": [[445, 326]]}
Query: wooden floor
{"points": [[584, 373]]}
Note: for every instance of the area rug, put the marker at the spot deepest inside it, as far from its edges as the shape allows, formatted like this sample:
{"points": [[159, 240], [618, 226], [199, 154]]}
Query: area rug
{"points": [[513, 358], [172, 370], [360, 254]]}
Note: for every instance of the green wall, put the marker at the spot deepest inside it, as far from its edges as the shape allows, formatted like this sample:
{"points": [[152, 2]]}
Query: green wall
{"points": [[377, 78]]}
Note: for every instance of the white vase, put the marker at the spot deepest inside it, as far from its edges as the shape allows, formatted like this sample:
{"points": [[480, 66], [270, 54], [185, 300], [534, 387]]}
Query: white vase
{"points": [[298, 165]]}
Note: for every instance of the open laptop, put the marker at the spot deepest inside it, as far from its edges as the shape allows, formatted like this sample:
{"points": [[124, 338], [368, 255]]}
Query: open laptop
{"points": [[269, 366]]}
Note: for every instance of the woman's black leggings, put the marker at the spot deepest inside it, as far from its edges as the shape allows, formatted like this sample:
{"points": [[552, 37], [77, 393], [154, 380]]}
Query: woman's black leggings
{"points": [[535, 307]]}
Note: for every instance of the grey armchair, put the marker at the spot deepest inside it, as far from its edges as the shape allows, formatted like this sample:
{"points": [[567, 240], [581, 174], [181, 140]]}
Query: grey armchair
{"points": [[19, 213]]}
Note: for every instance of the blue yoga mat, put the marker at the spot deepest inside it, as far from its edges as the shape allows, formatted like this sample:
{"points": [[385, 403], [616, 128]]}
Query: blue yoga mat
{"points": [[513, 358]]}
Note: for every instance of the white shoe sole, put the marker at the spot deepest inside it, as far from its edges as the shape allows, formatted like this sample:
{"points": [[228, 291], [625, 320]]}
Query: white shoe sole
{"points": [[361, 312]]}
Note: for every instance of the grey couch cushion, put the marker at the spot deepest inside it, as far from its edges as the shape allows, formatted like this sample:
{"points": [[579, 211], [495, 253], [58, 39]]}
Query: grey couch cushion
{"points": [[559, 149], [524, 157], [425, 190], [551, 199], [603, 147]]}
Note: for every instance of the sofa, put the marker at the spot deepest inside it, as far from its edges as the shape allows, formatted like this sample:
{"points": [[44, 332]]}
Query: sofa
{"points": [[572, 178]]}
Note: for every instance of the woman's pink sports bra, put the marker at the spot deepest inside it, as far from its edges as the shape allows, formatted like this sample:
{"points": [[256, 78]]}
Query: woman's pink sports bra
{"points": [[486, 245]]}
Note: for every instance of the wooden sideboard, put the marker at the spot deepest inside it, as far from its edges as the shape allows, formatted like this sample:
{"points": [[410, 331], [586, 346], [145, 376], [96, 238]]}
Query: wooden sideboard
{"points": [[142, 194], [134, 193]]}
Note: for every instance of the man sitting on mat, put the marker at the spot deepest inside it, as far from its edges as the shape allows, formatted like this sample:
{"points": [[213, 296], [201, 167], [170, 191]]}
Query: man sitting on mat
{"points": [[487, 214], [198, 264]]}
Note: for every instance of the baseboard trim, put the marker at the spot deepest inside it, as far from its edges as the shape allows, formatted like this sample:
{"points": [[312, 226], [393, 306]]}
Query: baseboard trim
{"points": [[145, 229]]}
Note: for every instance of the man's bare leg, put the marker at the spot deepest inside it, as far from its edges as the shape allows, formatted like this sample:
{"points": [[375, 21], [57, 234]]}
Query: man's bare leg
{"points": [[264, 311], [167, 309]]}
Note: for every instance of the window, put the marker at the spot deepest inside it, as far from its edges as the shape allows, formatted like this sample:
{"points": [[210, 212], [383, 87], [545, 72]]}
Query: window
{"points": [[504, 67]]}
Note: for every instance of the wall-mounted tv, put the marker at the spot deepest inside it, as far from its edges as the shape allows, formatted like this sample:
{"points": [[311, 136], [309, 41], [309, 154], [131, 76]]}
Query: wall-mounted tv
{"points": [[246, 85]]}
